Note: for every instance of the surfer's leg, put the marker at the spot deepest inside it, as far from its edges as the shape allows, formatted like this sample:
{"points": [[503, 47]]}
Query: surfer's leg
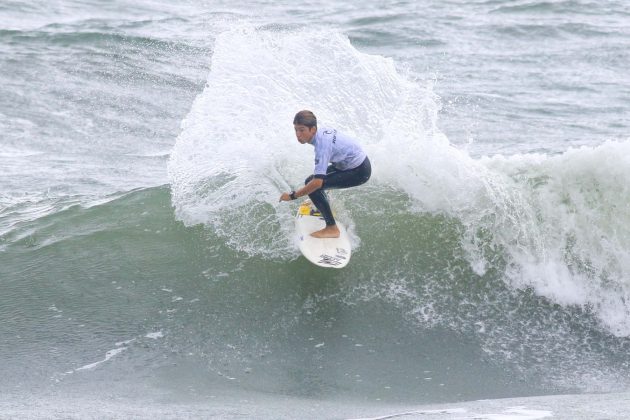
{"points": [[336, 179], [350, 178], [320, 200]]}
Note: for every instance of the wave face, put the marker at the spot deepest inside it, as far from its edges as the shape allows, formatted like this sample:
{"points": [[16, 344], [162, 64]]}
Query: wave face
{"points": [[124, 292], [555, 224]]}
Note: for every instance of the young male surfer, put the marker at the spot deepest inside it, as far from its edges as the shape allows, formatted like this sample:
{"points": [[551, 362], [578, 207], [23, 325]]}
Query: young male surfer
{"points": [[340, 162]]}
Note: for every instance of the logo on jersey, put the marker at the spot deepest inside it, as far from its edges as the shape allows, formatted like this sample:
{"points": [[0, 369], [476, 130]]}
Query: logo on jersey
{"points": [[334, 133]]}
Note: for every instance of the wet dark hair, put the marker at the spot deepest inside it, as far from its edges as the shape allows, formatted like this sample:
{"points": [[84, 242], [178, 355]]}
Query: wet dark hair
{"points": [[306, 118]]}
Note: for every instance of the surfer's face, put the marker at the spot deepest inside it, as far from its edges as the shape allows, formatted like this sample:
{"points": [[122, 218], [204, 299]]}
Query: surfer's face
{"points": [[303, 133]]}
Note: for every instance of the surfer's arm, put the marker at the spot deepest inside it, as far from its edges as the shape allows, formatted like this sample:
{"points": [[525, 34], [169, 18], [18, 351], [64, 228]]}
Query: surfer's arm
{"points": [[312, 186]]}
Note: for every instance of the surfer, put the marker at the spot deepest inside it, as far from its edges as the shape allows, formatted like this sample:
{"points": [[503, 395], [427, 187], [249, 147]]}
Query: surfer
{"points": [[340, 162]]}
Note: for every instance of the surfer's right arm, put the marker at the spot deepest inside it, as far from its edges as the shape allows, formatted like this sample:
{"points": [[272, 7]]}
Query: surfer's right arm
{"points": [[312, 186]]}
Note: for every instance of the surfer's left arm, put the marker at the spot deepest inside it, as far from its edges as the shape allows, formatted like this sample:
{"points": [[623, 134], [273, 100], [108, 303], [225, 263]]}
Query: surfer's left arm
{"points": [[312, 186]]}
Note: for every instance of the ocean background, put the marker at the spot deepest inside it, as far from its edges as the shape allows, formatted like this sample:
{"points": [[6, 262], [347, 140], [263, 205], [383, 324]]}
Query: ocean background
{"points": [[147, 269]]}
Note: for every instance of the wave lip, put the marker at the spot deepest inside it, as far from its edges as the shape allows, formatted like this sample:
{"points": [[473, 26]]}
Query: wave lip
{"points": [[237, 152]]}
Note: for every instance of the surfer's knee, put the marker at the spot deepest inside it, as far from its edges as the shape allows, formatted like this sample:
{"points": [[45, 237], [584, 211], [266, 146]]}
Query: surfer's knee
{"points": [[309, 179]]}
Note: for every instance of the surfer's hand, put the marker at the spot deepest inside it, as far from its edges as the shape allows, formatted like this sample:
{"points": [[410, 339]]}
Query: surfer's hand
{"points": [[285, 197]]}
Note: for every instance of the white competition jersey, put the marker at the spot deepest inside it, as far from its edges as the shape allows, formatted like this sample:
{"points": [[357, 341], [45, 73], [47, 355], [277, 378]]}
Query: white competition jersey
{"points": [[334, 147]]}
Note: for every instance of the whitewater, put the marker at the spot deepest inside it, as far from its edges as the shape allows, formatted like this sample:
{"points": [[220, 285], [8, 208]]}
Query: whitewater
{"points": [[148, 270]]}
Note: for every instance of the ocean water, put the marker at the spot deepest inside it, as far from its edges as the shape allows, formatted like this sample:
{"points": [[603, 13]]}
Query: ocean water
{"points": [[147, 269]]}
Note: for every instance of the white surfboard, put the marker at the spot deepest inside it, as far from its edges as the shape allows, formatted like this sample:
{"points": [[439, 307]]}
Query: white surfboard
{"points": [[324, 252]]}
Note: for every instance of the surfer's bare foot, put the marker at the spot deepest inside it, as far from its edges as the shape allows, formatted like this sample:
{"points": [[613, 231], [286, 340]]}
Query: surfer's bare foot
{"points": [[327, 232]]}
